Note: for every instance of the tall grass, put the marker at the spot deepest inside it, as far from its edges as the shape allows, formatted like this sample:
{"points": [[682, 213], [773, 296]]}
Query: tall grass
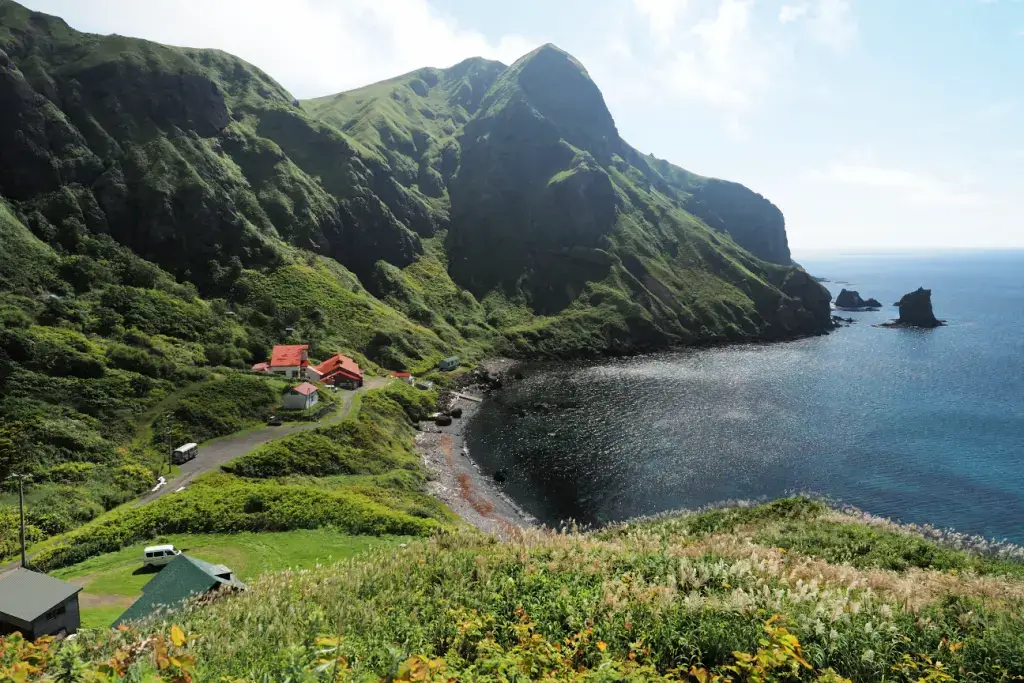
{"points": [[695, 597]]}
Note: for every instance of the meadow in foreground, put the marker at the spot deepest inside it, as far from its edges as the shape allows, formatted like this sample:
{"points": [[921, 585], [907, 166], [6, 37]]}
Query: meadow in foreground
{"points": [[740, 594]]}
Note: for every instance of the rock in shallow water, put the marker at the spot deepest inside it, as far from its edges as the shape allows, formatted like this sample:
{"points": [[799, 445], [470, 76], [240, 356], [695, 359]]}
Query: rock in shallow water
{"points": [[916, 311], [849, 299]]}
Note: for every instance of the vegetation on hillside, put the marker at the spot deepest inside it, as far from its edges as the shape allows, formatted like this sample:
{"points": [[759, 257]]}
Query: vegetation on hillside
{"points": [[706, 596], [263, 491], [167, 215]]}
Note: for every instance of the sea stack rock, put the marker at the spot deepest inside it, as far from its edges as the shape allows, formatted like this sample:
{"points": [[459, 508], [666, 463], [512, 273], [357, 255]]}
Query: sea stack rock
{"points": [[849, 299], [916, 310]]}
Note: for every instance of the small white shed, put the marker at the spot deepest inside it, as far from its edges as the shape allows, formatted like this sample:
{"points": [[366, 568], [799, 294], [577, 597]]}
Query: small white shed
{"points": [[301, 397]]}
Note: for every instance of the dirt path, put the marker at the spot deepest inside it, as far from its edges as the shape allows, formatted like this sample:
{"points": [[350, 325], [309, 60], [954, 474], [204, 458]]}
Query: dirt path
{"points": [[219, 451], [459, 483]]}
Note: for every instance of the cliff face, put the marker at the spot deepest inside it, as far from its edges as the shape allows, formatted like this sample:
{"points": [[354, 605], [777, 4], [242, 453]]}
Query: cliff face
{"points": [[482, 201]]}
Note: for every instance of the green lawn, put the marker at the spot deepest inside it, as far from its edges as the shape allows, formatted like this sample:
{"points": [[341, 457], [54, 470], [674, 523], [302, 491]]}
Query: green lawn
{"points": [[114, 580]]}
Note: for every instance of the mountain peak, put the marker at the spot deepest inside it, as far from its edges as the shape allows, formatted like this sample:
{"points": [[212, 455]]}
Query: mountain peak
{"points": [[557, 86]]}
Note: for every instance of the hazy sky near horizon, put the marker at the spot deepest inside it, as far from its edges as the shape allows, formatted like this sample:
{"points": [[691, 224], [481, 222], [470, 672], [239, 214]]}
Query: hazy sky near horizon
{"points": [[872, 124]]}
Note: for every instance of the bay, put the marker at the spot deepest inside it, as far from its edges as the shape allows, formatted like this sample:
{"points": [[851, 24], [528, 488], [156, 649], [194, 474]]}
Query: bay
{"points": [[923, 426]]}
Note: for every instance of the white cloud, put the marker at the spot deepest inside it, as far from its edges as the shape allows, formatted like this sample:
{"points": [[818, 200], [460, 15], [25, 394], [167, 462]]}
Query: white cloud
{"points": [[663, 17], [313, 47], [717, 60], [913, 187], [790, 13], [832, 23], [827, 22]]}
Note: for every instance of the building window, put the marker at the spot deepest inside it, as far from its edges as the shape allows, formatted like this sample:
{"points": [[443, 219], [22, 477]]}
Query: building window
{"points": [[54, 613]]}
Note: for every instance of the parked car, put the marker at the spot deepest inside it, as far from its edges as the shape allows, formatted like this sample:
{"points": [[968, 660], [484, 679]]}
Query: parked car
{"points": [[158, 555], [275, 421]]}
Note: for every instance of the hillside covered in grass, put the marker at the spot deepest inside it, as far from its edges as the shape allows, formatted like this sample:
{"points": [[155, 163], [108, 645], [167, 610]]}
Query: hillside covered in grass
{"points": [[786, 591], [169, 214]]}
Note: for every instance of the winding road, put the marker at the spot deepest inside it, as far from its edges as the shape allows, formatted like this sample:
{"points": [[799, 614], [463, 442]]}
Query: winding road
{"points": [[216, 452], [221, 450]]}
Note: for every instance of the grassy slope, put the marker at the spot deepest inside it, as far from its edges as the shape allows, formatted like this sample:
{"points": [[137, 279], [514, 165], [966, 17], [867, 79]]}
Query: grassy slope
{"points": [[674, 598], [113, 581], [648, 273], [359, 476]]}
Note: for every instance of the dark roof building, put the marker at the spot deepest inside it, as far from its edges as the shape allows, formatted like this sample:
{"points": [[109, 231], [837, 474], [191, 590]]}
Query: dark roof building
{"points": [[182, 578], [38, 605]]}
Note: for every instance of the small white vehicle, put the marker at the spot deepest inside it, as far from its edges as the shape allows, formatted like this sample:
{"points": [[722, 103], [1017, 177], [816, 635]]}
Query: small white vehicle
{"points": [[158, 555], [183, 454]]}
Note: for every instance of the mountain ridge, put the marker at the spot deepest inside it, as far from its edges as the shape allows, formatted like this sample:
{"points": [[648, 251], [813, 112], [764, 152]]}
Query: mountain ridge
{"points": [[168, 214]]}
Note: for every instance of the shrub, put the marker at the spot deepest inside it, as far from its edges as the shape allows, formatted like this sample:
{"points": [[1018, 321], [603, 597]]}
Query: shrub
{"points": [[376, 441], [223, 505], [220, 407]]}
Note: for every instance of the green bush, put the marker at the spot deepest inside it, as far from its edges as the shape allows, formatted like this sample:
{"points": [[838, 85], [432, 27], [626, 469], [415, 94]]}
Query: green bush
{"points": [[221, 504], [418, 404], [220, 407], [376, 441]]}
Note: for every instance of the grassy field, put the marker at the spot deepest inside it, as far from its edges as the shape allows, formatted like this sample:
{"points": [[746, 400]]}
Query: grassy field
{"points": [[113, 581], [736, 594]]}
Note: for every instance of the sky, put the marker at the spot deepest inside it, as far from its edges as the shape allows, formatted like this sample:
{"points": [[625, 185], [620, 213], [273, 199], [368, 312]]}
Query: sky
{"points": [[875, 125]]}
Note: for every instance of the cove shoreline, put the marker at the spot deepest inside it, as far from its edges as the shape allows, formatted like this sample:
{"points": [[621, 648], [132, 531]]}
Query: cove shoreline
{"points": [[457, 480]]}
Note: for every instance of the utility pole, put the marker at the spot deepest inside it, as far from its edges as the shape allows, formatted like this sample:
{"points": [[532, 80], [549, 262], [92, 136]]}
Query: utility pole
{"points": [[21, 507], [170, 443]]}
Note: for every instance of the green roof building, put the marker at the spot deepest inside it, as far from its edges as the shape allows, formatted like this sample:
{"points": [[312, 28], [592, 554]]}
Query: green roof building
{"points": [[182, 578], [37, 605]]}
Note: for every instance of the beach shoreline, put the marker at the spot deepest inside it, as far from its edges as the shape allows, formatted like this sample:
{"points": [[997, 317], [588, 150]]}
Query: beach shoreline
{"points": [[457, 480]]}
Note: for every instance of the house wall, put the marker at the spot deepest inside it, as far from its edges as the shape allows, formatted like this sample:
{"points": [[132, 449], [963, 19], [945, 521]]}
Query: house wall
{"points": [[9, 624], [298, 401], [68, 621], [290, 371]]}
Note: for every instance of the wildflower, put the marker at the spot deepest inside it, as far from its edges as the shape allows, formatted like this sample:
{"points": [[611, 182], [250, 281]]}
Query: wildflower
{"points": [[868, 656]]}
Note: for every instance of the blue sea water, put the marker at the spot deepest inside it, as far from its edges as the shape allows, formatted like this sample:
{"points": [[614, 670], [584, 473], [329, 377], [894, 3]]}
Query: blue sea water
{"points": [[923, 426]]}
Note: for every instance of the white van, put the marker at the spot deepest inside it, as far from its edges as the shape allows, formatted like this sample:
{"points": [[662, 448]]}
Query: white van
{"points": [[158, 555]]}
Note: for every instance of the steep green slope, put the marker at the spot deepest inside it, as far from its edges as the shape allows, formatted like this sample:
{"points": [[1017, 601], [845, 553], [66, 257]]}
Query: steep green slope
{"points": [[601, 248], [168, 214]]}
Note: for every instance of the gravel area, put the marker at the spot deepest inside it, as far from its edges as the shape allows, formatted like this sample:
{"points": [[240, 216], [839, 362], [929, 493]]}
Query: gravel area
{"points": [[458, 482]]}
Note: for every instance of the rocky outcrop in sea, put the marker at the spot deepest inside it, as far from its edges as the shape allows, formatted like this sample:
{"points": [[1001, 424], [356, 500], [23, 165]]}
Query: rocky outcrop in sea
{"points": [[916, 311], [850, 300]]}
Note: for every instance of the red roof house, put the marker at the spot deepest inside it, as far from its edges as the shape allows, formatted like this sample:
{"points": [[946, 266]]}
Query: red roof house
{"points": [[289, 356], [337, 369], [261, 367]]}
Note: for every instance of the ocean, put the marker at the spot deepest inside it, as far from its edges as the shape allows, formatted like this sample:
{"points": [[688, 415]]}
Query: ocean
{"points": [[923, 426]]}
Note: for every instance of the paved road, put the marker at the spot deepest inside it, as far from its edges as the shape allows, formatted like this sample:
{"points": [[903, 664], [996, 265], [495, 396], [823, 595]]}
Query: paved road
{"points": [[225, 449]]}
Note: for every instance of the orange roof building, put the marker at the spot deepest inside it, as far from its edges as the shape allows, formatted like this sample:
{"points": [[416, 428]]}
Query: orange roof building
{"points": [[289, 356], [302, 397], [305, 389], [337, 369], [288, 360]]}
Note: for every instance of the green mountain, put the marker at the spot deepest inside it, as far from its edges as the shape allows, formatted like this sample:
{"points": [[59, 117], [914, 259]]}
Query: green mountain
{"points": [[601, 248], [168, 214]]}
